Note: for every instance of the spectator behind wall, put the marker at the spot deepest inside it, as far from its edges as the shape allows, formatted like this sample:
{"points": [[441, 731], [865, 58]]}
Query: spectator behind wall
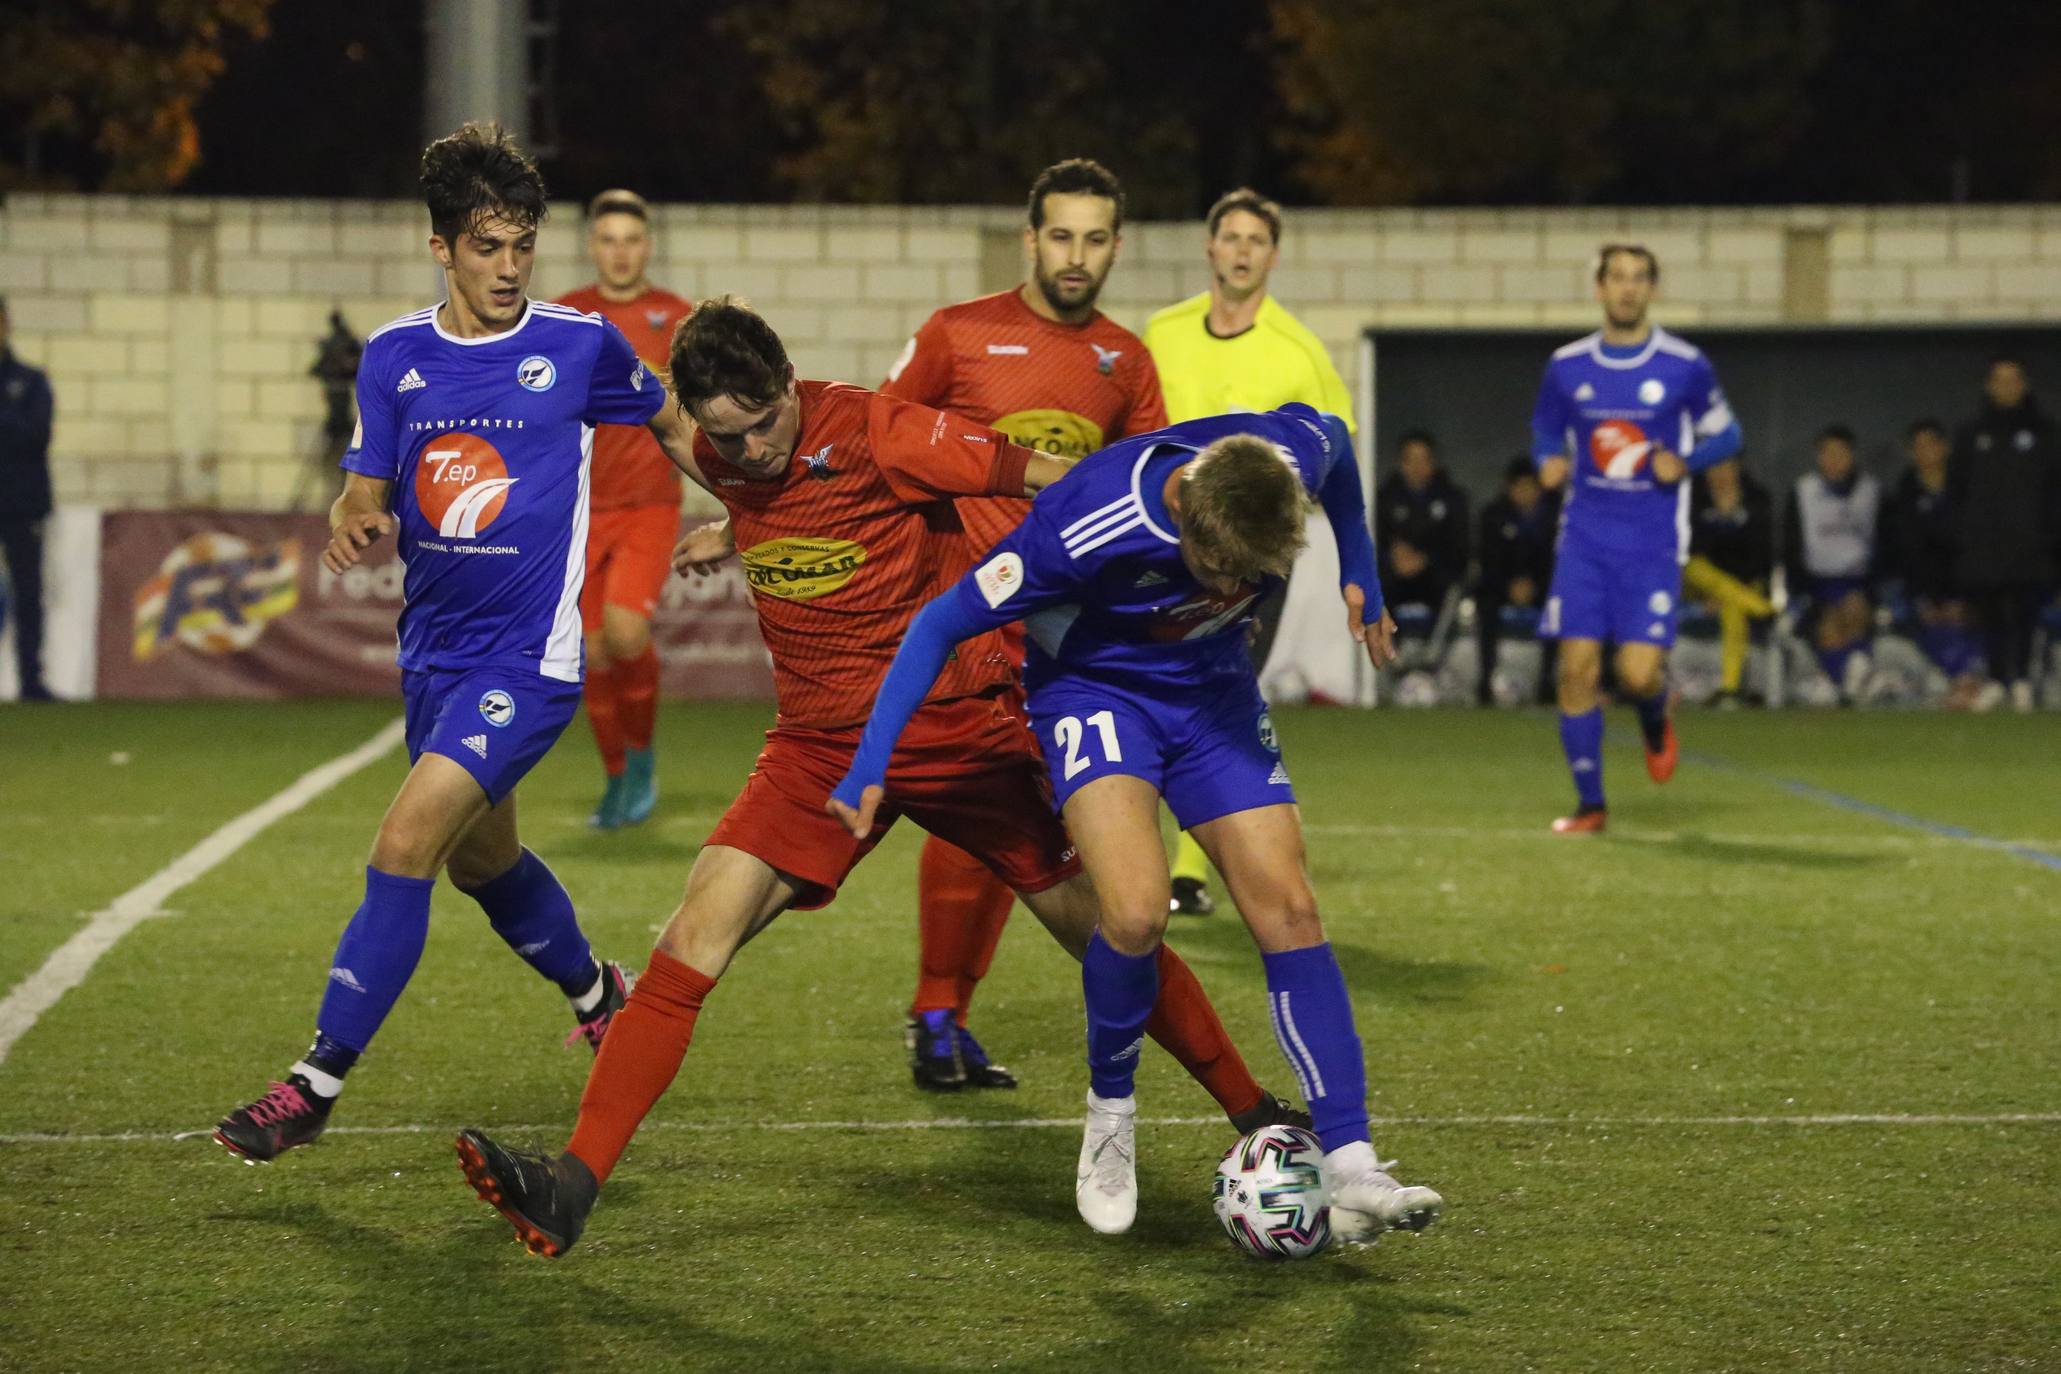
{"points": [[1921, 547], [25, 410], [2004, 482], [1828, 546], [1518, 530], [1420, 529], [1731, 560]]}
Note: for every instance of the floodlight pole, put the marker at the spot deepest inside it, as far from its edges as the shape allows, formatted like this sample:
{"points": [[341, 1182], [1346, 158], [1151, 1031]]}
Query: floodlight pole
{"points": [[478, 65]]}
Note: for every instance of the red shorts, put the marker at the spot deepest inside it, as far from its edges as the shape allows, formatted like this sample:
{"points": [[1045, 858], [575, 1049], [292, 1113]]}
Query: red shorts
{"points": [[629, 557], [968, 771]]}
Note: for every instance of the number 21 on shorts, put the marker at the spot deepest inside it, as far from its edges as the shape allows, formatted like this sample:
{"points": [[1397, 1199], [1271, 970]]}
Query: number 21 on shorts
{"points": [[1069, 733]]}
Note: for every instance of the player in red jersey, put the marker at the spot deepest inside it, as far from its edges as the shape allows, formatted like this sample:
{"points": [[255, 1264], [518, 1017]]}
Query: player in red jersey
{"points": [[636, 518], [1044, 366], [840, 504]]}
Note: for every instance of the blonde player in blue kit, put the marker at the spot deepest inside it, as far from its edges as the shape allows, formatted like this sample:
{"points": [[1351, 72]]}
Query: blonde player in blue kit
{"points": [[476, 423], [1623, 417], [1135, 578]]}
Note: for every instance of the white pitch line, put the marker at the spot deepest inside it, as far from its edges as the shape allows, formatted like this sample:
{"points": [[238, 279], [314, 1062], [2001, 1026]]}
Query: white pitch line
{"points": [[69, 964], [1785, 839], [1053, 1123]]}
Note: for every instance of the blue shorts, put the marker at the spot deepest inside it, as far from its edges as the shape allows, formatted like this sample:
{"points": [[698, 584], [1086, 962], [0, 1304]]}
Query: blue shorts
{"points": [[494, 722], [1608, 594], [1209, 753]]}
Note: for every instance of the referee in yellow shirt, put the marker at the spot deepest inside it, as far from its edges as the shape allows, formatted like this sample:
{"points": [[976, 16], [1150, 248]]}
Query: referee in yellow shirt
{"points": [[1235, 348]]}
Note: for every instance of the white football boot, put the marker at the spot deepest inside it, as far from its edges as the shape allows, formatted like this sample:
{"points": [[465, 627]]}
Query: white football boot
{"points": [[1365, 1201], [1106, 1187]]}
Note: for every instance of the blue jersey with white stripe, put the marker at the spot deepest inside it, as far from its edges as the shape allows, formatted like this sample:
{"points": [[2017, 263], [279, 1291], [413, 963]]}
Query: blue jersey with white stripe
{"points": [[487, 443], [1096, 575], [1607, 409]]}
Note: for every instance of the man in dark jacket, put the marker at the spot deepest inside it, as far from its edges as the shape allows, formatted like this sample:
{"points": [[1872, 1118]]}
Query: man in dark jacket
{"points": [[1731, 559], [1420, 529], [1920, 554], [25, 410], [1518, 529], [2004, 483]]}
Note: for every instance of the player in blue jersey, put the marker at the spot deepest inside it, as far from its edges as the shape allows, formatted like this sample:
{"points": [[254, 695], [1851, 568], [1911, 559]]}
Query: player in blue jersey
{"points": [[1623, 417], [476, 419], [1135, 578]]}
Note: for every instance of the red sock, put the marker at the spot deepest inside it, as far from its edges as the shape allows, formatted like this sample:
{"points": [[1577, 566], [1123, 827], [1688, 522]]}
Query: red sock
{"points": [[961, 917], [602, 696], [1185, 1025], [636, 685], [639, 1056]]}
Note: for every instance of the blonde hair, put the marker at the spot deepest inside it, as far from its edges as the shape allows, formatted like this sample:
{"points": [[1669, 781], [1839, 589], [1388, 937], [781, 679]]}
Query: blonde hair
{"points": [[1242, 508]]}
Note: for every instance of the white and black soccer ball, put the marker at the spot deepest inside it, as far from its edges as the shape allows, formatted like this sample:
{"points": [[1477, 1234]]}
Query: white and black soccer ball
{"points": [[1270, 1194]]}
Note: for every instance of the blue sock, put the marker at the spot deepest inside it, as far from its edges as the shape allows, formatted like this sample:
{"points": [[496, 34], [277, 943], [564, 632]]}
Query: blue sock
{"points": [[1313, 1021], [1652, 717], [530, 910], [1833, 661], [375, 958], [1581, 738], [1120, 990]]}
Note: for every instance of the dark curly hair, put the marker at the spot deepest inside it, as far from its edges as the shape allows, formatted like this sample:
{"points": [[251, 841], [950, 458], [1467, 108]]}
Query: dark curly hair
{"points": [[479, 173], [726, 348], [1077, 176]]}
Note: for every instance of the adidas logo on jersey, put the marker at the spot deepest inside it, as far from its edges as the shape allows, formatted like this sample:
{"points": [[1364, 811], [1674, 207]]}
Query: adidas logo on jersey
{"points": [[412, 382], [1585, 392], [1151, 579], [347, 978], [477, 744], [1279, 777]]}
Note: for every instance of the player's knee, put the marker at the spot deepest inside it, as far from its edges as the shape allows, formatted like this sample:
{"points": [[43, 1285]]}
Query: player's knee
{"points": [[468, 870], [623, 642], [404, 851], [1134, 928]]}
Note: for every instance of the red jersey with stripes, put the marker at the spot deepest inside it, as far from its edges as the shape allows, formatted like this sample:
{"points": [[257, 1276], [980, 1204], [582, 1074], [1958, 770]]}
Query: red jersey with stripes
{"points": [[630, 469], [843, 548], [1064, 389]]}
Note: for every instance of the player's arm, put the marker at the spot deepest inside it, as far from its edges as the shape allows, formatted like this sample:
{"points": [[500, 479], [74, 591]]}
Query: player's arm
{"points": [[358, 518], [1549, 426], [363, 512], [1718, 435], [929, 455], [1345, 507], [675, 434], [1015, 579]]}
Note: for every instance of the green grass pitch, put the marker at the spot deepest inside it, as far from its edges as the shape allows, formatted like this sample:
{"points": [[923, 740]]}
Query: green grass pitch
{"points": [[1625, 1060]]}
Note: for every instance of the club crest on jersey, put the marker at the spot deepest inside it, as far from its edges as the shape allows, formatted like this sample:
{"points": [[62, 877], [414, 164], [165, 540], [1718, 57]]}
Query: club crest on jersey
{"points": [[1105, 358], [461, 484], [1660, 603], [637, 375], [1266, 733], [657, 319], [536, 373], [498, 708], [818, 463], [1651, 390], [1620, 448]]}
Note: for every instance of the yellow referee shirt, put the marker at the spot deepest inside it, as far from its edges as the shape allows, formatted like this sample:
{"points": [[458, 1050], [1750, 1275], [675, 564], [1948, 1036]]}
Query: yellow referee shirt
{"points": [[1276, 361]]}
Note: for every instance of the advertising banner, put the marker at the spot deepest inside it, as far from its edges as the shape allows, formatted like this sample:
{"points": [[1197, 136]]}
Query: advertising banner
{"points": [[227, 604]]}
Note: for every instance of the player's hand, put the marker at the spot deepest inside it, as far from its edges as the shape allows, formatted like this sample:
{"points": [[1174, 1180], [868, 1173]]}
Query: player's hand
{"points": [[859, 822], [1553, 473], [1379, 637], [1668, 466], [704, 549], [352, 535]]}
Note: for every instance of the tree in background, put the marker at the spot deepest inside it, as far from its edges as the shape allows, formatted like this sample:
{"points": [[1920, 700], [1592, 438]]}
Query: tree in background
{"points": [[964, 103], [1457, 101], [102, 93]]}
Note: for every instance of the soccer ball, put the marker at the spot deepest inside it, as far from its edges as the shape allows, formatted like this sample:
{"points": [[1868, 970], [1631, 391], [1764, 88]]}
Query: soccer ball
{"points": [[1270, 1194]]}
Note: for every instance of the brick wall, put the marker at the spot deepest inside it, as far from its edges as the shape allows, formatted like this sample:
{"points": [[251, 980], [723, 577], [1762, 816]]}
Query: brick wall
{"points": [[178, 333]]}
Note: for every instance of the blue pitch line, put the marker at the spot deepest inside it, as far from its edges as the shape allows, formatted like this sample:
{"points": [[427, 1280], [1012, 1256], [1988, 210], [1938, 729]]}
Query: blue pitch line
{"points": [[1812, 792]]}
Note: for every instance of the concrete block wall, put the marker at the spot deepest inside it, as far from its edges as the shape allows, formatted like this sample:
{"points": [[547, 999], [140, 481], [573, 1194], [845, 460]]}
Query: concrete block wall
{"points": [[179, 332]]}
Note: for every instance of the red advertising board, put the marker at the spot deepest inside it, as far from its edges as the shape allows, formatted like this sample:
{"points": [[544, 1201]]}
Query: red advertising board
{"points": [[227, 604]]}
